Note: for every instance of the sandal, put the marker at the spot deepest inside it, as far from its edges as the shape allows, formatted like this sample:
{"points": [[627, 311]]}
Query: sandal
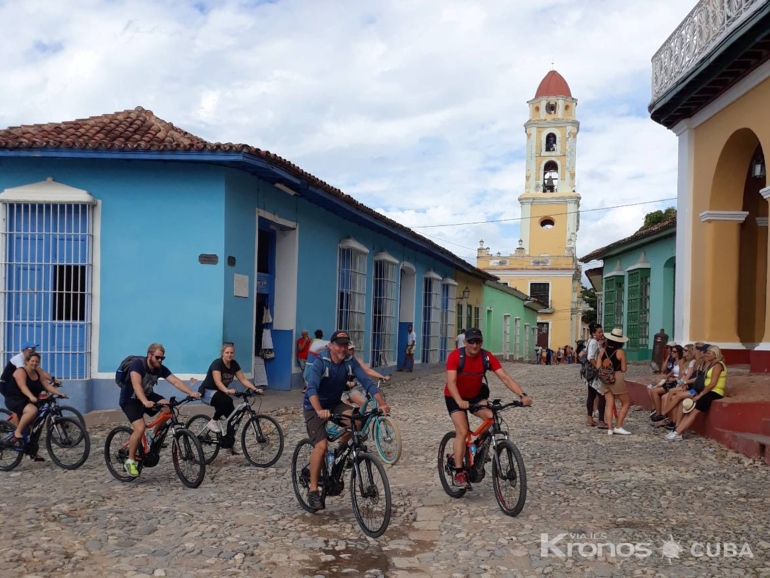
{"points": [[602, 425], [590, 421]]}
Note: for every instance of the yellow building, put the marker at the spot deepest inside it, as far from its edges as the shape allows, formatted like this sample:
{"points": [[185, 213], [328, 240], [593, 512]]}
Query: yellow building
{"points": [[544, 265], [711, 87]]}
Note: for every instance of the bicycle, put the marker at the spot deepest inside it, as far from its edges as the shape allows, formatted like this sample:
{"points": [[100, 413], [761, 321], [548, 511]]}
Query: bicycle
{"points": [[508, 472], [367, 493], [63, 433], [185, 448], [385, 432], [56, 409], [266, 430]]}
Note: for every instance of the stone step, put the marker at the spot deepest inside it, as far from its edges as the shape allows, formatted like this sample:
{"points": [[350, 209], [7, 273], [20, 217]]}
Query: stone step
{"points": [[749, 444]]}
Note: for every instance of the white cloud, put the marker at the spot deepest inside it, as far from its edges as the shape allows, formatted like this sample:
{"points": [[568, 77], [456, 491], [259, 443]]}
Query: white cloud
{"points": [[414, 108]]}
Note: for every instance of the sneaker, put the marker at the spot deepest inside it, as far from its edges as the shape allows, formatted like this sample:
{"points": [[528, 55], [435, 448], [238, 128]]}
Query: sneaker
{"points": [[314, 501], [674, 437], [657, 417], [214, 426], [595, 414], [650, 386], [461, 480], [129, 466], [621, 431]]}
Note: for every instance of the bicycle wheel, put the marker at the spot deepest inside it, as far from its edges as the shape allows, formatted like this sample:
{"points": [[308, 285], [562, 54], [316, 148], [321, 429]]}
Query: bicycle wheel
{"points": [[198, 425], [262, 440], [10, 455], [300, 474], [71, 412], [67, 443], [75, 435], [187, 454], [387, 439], [446, 469], [116, 452], [370, 495], [509, 478]]}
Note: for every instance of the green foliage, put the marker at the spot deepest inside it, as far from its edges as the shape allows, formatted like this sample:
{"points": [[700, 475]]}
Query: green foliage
{"points": [[655, 217], [589, 296]]}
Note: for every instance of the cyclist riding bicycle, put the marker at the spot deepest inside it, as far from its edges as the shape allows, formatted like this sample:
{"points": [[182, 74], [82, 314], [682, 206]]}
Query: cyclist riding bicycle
{"points": [[327, 380], [216, 390], [137, 397], [467, 386], [23, 391]]}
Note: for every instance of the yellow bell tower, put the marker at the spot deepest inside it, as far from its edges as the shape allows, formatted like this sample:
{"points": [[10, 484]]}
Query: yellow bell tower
{"points": [[544, 265]]}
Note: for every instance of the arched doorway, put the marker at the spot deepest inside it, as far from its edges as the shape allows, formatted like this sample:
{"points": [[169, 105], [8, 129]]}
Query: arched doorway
{"points": [[735, 251]]}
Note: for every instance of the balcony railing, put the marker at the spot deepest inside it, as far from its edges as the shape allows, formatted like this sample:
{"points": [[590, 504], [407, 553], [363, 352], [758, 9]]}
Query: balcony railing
{"points": [[708, 23]]}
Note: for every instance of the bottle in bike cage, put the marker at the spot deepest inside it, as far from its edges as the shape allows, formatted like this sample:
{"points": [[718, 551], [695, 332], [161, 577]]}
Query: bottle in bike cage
{"points": [[329, 457], [332, 428], [473, 450]]}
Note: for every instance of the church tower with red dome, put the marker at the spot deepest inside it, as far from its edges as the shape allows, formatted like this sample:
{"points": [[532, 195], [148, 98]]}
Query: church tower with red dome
{"points": [[544, 264]]}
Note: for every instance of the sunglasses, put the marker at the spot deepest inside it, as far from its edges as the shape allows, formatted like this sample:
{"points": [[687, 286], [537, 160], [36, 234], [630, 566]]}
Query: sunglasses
{"points": [[475, 341], [159, 357]]}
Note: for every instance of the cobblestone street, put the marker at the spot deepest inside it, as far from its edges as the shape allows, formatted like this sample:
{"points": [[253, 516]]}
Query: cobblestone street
{"points": [[245, 521]]}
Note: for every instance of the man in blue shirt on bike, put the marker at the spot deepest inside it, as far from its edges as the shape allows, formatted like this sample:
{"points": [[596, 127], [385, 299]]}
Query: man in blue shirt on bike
{"points": [[327, 381]]}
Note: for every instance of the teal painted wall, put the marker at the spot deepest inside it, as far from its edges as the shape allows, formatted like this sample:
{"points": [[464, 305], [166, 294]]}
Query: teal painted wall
{"points": [[503, 303], [659, 253]]}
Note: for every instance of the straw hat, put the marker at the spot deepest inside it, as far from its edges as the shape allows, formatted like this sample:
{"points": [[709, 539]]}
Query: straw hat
{"points": [[688, 405], [616, 335]]}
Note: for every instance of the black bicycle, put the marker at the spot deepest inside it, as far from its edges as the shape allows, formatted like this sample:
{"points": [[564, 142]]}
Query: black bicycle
{"points": [[509, 477], [56, 408], [369, 487], [186, 451], [66, 440], [261, 437]]}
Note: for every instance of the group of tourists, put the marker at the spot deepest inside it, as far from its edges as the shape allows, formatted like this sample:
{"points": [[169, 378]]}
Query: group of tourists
{"points": [[694, 377], [565, 355]]}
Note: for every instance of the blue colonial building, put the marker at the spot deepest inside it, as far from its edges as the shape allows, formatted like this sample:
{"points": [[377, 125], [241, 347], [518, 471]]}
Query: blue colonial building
{"points": [[122, 229]]}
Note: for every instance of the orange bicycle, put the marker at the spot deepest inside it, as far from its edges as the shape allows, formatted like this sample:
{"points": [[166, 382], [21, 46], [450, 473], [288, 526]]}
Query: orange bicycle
{"points": [[509, 477], [186, 451]]}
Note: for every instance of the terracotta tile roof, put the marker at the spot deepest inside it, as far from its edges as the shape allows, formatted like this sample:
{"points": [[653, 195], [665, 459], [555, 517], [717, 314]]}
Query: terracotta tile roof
{"points": [[669, 223], [140, 130], [553, 84]]}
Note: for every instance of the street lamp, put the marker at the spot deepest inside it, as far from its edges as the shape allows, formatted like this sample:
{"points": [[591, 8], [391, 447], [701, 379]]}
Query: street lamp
{"points": [[758, 168], [466, 293]]}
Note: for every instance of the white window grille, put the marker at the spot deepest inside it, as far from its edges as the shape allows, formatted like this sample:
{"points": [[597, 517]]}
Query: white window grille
{"points": [[384, 309], [527, 352], [516, 338], [431, 317], [47, 270], [351, 302], [447, 328]]}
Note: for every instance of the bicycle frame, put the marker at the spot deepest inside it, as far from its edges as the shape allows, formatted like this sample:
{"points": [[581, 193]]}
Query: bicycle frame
{"points": [[354, 446]]}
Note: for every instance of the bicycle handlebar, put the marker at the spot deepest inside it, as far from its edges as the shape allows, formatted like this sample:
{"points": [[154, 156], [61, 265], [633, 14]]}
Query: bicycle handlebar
{"points": [[247, 393], [495, 406], [337, 417], [172, 402]]}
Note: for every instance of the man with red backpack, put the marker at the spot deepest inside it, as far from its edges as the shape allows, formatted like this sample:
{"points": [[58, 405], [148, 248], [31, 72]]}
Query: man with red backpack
{"points": [[466, 385]]}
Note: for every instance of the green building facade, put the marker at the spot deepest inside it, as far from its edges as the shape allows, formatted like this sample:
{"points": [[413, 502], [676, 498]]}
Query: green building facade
{"points": [[509, 322]]}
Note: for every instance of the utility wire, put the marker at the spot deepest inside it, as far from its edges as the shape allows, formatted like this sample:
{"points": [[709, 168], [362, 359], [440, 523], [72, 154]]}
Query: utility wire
{"points": [[538, 217]]}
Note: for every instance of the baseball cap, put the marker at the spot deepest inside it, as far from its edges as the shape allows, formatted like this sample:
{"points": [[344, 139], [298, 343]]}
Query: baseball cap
{"points": [[704, 348], [340, 337], [473, 333], [29, 345], [671, 344]]}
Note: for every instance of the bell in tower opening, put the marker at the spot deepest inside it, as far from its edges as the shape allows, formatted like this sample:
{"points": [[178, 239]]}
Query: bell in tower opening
{"points": [[550, 142], [550, 177]]}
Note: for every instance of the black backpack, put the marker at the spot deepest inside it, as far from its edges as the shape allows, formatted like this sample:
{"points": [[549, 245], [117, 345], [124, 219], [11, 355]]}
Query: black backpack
{"points": [[122, 373], [487, 364], [6, 378]]}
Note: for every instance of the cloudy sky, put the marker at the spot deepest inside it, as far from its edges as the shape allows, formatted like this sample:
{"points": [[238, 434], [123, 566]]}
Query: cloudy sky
{"points": [[415, 107]]}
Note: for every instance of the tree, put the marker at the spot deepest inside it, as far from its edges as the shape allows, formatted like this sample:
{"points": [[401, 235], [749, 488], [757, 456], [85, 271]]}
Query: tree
{"points": [[589, 296], [655, 217]]}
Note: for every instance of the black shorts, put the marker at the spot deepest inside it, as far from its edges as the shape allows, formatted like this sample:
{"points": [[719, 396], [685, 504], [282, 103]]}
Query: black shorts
{"points": [[668, 386], [316, 427], [16, 404], [134, 409], [704, 403], [451, 404]]}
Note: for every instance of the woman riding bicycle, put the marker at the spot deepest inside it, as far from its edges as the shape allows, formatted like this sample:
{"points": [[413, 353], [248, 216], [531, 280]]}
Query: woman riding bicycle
{"points": [[216, 390], [23, 392], [466, 386]]}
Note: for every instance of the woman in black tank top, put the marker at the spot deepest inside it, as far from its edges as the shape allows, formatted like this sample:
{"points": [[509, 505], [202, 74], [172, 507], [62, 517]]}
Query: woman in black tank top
{"points": [[614, 354], [26, 388]]}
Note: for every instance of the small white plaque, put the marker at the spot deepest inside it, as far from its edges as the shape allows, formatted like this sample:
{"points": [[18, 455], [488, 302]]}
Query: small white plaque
{"points": [[241, 285]]}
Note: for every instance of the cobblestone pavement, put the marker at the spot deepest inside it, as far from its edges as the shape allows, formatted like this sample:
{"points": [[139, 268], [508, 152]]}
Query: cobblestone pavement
{"points": [[636, 489]]}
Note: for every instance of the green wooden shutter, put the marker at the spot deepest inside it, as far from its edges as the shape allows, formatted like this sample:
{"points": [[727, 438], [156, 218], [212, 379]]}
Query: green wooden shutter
{"points": [[633, 309], [609, 303], [644, 309], [620, 283]]}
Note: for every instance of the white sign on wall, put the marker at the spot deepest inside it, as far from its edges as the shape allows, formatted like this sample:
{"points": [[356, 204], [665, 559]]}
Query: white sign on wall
{"points": [[241, 285]]}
